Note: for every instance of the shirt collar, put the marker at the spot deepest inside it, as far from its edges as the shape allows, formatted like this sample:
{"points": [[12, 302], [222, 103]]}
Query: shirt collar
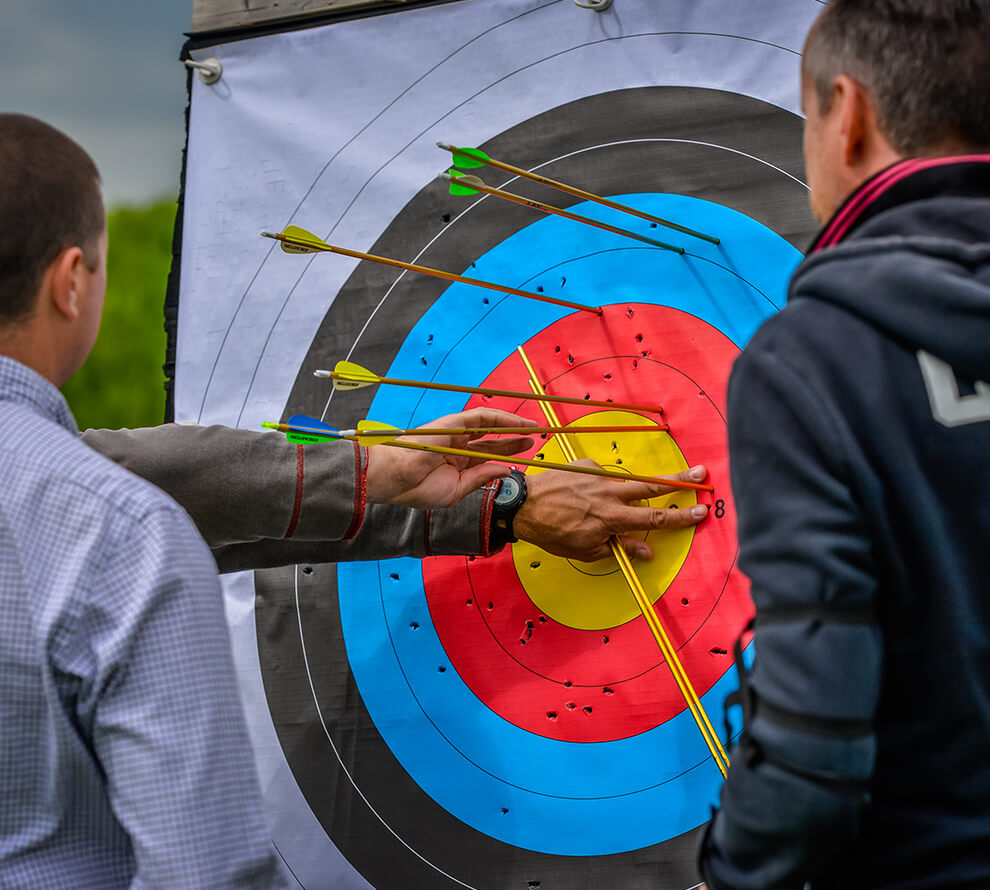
{"points": [[909, 180], [22, 386]]}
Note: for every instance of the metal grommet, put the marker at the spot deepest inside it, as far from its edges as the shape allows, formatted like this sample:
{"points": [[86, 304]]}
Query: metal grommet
{"points": [[211, 69], [596, 5]]}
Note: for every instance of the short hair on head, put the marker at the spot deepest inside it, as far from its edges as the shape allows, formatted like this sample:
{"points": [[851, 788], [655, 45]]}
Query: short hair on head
{"points": [[924, 62], [50, 200]]}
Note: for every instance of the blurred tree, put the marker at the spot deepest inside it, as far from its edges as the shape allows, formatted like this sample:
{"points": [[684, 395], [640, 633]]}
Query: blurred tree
{"points": [[121, 384]]}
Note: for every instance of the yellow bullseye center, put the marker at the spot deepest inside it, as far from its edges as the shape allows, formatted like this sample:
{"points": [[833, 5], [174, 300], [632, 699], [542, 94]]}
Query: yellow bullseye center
{"points": [[594, 595]]}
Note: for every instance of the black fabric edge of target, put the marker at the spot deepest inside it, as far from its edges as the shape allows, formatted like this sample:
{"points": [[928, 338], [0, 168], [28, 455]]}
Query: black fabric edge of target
{"points": [[472, 856], [170, 310]]}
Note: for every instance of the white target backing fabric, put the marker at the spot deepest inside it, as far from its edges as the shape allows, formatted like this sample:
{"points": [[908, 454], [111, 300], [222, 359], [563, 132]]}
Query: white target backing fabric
{"points": [[688, 106]]}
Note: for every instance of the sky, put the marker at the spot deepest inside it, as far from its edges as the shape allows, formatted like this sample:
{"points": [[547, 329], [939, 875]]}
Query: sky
{"points": [[106, 72]]}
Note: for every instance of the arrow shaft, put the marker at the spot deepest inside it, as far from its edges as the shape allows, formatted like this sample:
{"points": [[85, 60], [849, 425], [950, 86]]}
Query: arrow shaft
{"points": [[510, 430], [590, 196], [426, 270], [546, 465], [566, 214], [509, 394]]}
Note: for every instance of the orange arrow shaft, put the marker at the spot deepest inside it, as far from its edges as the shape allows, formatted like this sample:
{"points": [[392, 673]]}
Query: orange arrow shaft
{"points": [[509, 394], [558, 211], [590, 196], [436, 273]]}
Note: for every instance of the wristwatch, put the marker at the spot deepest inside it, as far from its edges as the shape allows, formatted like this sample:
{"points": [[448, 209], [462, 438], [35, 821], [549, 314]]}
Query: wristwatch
{"points": [[510, 497]]}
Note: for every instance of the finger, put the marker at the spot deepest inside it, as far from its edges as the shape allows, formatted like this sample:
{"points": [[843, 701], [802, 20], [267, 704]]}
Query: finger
{"points": [[694, 474], [635, 548], [592, 553], [630, 519], [508, 445], [643, 491]]}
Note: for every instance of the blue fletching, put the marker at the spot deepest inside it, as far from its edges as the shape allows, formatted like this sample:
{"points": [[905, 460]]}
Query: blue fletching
{"points": [[311, 423]]}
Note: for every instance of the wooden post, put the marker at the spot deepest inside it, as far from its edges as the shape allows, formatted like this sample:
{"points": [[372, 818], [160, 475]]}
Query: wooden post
{"points": [[209, 15]]}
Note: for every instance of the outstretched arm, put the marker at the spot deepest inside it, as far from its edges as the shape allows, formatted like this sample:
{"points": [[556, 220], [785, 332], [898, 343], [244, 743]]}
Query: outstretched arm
{"points": [[262, 502]]}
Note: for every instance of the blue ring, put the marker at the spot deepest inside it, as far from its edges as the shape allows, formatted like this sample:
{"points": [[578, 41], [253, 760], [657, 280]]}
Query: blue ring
{"points": [[536, 793]]}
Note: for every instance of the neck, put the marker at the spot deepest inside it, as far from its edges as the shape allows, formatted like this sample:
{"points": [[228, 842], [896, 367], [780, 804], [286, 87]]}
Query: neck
{"points": [[29, 343]]}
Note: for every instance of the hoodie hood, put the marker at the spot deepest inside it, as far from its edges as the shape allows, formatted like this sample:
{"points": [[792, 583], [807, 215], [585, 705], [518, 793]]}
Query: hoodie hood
{"points": [[909, 253]]}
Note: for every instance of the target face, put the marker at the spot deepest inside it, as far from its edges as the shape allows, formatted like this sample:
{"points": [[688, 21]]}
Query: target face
{"points": [[506, 722], [512, 716]]}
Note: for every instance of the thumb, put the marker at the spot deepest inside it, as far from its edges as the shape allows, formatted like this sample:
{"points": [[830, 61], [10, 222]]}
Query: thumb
{"points": [[635, 548], [475, 477]]}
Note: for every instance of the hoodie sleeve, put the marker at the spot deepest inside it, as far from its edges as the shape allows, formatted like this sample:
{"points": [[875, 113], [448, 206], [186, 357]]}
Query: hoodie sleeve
{"points": [[798, 781]]}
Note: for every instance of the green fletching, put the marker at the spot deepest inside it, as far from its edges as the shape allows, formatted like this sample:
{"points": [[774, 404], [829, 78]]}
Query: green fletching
{"points": [[469, 157], [304, 439], [458, 188]]}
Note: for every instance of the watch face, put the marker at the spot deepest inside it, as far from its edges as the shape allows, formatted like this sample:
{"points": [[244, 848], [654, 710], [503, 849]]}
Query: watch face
{"points": [[509, 490]]}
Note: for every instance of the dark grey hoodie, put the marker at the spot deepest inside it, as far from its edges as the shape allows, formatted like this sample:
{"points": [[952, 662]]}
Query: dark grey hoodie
{"points": [[859, 428]]}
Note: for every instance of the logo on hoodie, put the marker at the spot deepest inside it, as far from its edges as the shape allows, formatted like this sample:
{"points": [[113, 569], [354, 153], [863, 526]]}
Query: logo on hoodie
{"points": [[950, 408]]}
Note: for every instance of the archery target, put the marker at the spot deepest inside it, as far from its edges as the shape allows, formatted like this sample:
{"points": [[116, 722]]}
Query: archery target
{"points": [[530, 748], [363, 739]]}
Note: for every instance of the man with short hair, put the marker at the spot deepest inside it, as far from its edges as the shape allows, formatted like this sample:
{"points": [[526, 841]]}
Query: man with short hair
{"points": [[859, 430], [124, 759]]}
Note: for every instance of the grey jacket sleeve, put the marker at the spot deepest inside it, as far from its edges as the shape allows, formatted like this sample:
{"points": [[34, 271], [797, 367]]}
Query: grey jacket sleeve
{"points": [[260, 501], [797, 786]]}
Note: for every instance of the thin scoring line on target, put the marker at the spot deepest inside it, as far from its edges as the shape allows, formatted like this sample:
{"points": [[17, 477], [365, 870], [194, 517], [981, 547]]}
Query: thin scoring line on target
{"points": [[340, 761], [420, 135]]}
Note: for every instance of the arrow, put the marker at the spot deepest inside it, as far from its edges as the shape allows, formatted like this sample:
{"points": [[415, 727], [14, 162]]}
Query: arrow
{"points": [[474, 157], [316, 431], [297, 240], [465, 184], [646, 607], [371, 432], [348, 375]]}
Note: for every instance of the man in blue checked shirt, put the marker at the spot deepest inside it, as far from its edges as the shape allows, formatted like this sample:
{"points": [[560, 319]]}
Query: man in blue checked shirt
{"points": [[124, 756]]}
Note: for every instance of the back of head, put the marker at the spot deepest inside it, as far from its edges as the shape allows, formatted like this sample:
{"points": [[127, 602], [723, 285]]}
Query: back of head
{"points": [[49, 201], [924, 62]]}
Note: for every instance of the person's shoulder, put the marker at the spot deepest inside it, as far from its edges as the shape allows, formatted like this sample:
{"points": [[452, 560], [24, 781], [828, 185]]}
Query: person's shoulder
{"points": [[821, 320], [805, 328], [56, 463]]}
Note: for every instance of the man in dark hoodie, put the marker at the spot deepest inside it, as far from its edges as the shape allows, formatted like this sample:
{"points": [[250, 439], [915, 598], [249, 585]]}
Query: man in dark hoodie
{"points": [[859, 425]]}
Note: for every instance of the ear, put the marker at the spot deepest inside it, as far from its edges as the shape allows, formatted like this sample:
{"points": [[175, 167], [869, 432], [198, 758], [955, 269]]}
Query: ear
{"points": [[68, 271], [857, 122]]}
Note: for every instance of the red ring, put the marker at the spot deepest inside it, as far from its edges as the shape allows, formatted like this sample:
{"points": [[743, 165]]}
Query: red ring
{"points": [[593, 686]]}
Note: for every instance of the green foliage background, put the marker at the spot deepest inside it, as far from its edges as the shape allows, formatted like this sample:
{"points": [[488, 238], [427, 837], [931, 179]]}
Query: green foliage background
{"points": [[122, 382]]}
